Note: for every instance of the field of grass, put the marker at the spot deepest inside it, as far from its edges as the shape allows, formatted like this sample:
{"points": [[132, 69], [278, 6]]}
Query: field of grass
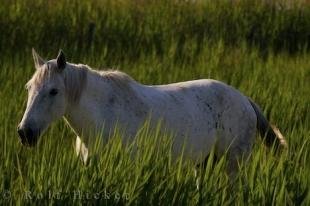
{"points": [[259, 48]]}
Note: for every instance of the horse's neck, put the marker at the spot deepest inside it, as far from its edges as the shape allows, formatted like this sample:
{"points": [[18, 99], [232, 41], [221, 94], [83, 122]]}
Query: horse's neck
{"points": [[83, 114], [102, 104]]}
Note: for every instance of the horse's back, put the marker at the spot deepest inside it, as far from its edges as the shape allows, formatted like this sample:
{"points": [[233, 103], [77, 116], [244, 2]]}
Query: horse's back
{"points": [[207, 112]]}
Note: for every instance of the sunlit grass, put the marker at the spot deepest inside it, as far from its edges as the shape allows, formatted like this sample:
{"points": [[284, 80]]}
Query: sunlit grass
{"points": [[169, 44], [152, 176]]}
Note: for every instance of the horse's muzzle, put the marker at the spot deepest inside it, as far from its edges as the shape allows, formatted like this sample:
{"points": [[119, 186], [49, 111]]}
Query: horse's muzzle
{"points": [[27, 136]]}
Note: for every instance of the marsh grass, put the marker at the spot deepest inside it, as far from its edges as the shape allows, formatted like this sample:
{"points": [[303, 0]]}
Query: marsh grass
{"points": [[257, 48]]}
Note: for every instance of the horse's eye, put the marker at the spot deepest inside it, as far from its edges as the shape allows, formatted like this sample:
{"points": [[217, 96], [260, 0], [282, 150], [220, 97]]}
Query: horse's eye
{"points": [[53, 92]]}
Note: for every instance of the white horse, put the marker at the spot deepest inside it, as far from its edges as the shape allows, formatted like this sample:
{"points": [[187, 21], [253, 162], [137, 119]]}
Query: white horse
{"points": [[201, 113]]}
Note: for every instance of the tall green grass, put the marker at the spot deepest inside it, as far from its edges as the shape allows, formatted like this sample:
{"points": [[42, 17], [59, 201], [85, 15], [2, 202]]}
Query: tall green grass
{"points": [[134, 28], [157, 43]]}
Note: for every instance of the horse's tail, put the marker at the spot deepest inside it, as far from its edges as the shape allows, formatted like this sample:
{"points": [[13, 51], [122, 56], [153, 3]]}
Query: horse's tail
{"points": [[270, 133]]}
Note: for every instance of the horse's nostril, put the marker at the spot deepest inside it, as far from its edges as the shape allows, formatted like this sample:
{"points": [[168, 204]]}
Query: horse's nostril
{"points": [[26, 135]]}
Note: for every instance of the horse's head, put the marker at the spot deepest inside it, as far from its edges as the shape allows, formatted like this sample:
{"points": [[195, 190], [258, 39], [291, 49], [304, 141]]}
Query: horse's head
{"points": [[46, 98]]}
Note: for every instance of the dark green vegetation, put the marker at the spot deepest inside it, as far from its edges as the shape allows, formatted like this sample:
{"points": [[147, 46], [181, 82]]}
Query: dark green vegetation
{"points": [[261, 49]]}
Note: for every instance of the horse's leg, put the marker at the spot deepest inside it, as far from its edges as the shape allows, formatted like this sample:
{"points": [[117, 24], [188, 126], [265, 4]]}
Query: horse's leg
{"points": [[233, 165], [236, 155], [201, 167], [81, 150], [78, 143]]}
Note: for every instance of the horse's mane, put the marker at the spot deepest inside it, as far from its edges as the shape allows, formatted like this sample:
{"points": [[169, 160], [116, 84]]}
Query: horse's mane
{"points": [[117, 77], [75, 82]]}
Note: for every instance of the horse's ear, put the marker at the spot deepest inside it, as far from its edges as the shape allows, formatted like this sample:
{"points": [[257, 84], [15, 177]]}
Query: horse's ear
{"points": [[61, 60], [38, 61]]}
